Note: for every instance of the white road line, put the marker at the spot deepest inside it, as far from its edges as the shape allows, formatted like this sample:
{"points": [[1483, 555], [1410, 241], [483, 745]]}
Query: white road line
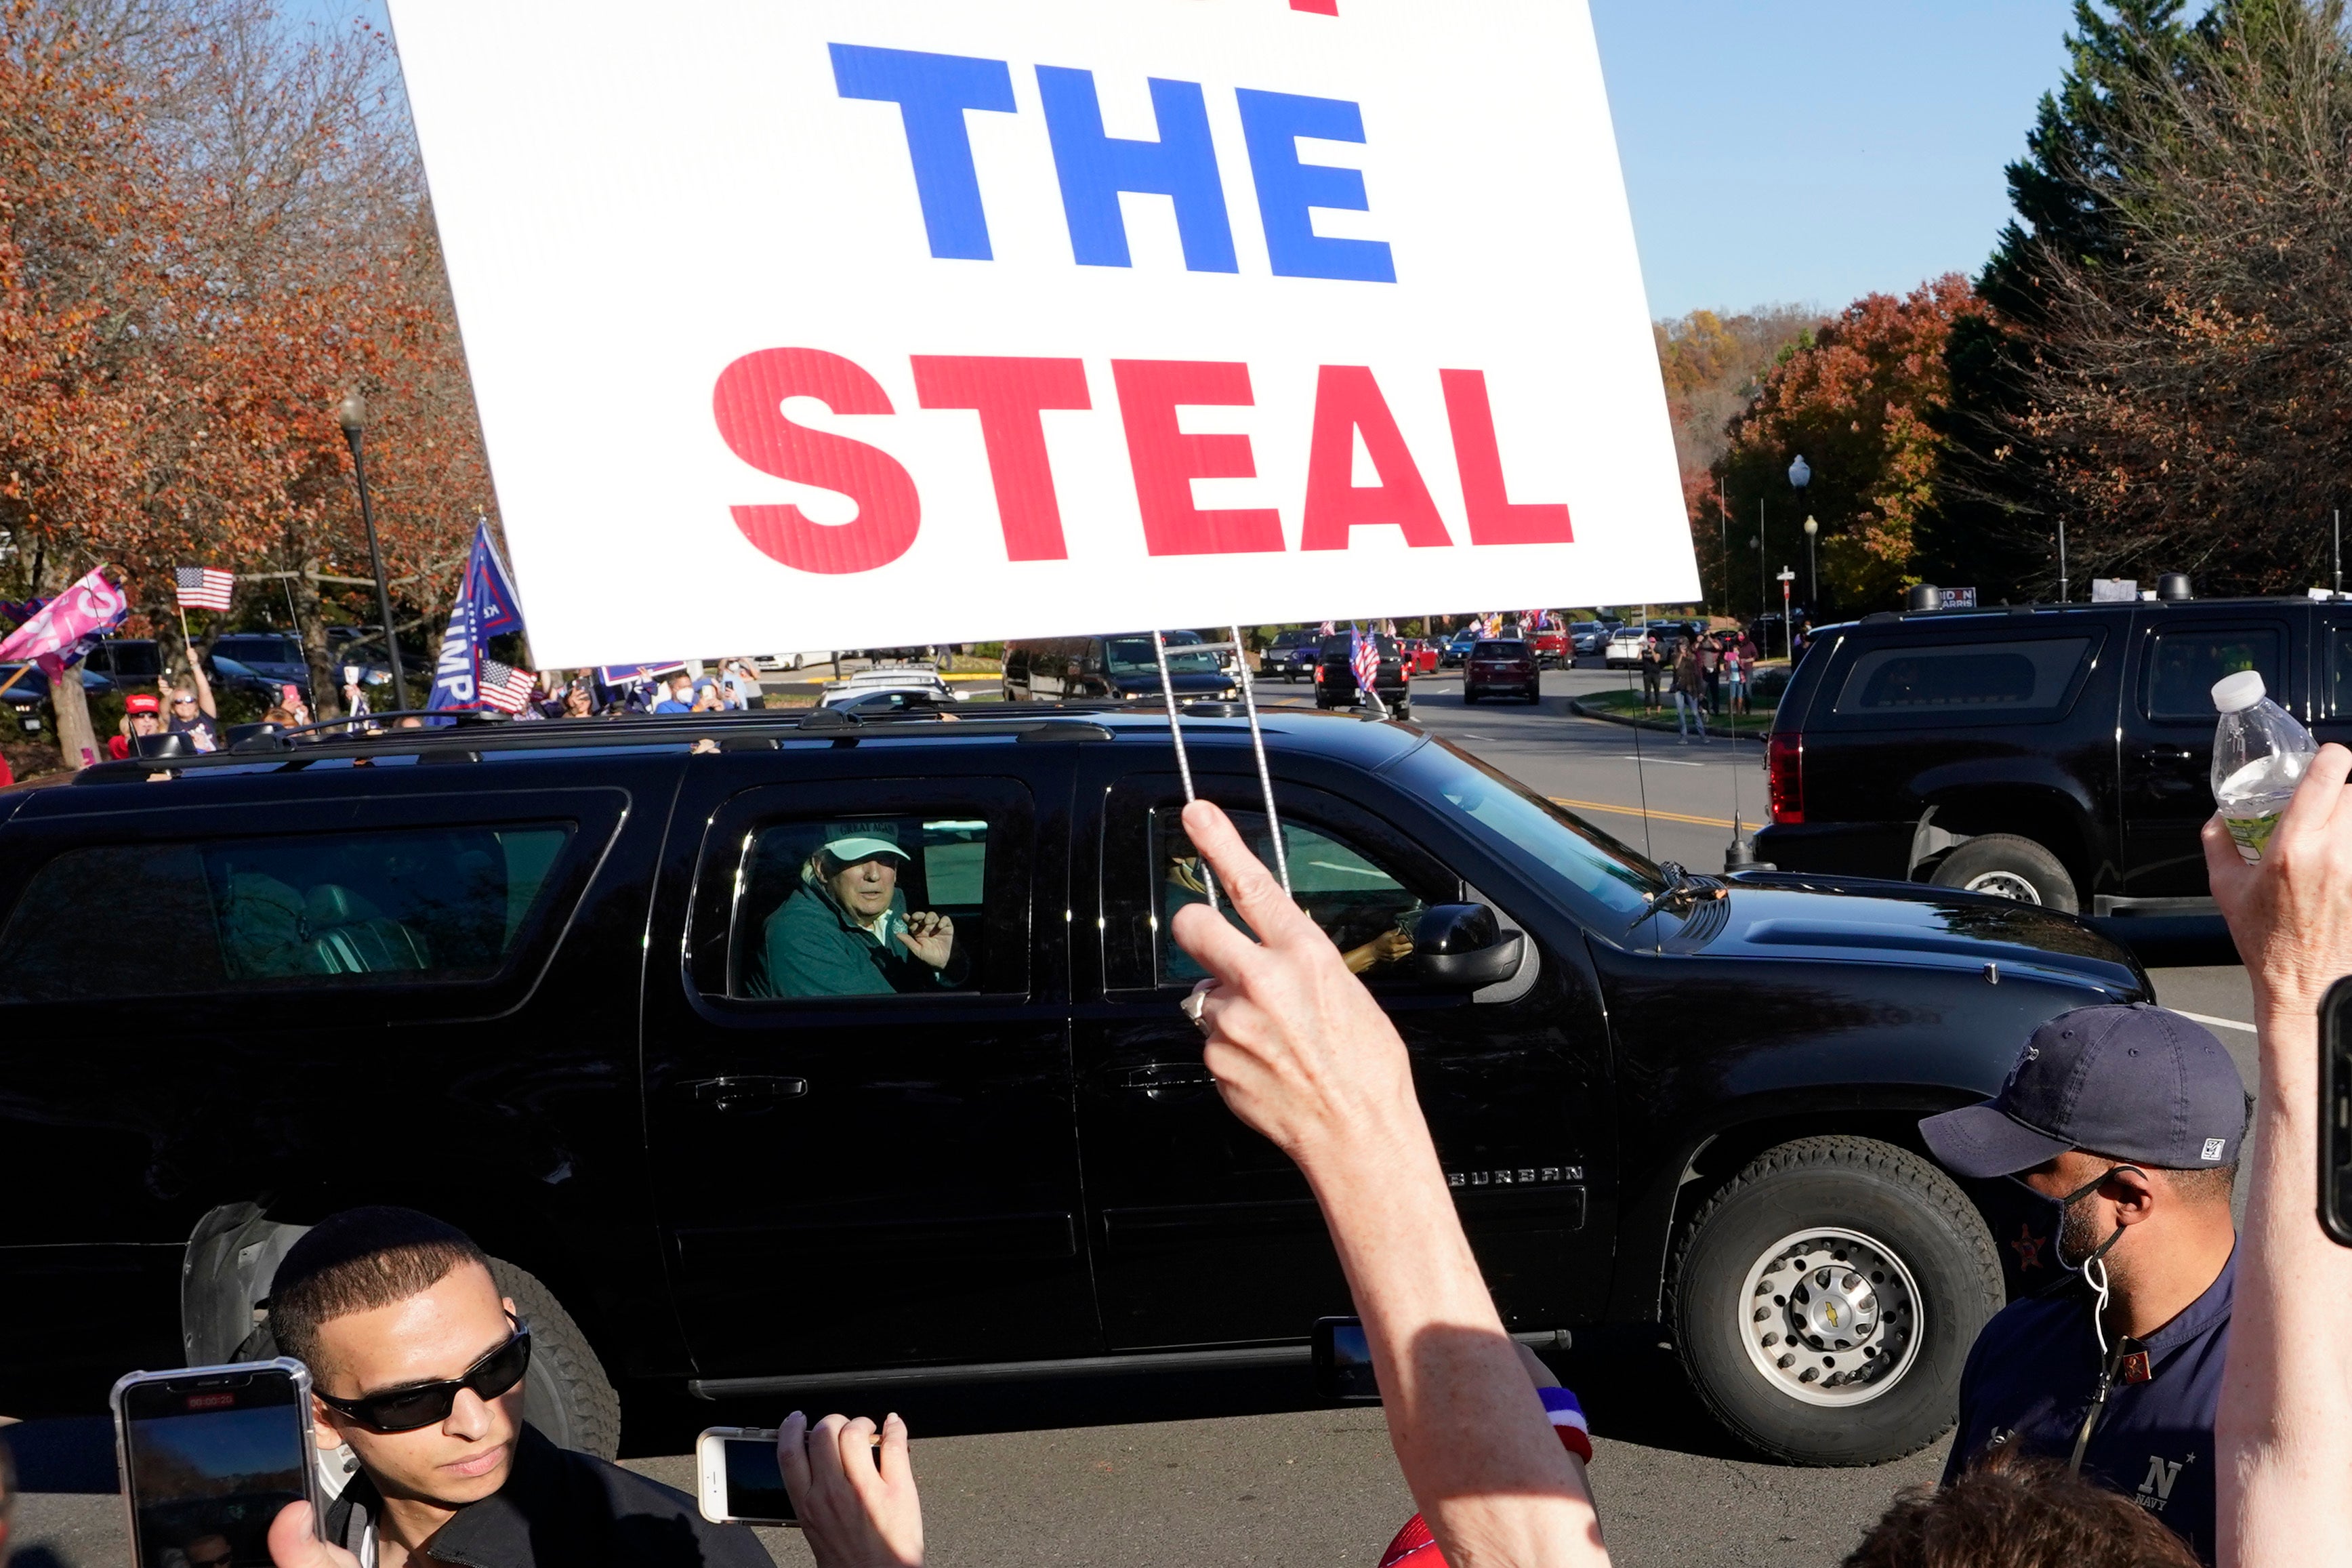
{"points": [[2213, 1022], [1664, 762]]}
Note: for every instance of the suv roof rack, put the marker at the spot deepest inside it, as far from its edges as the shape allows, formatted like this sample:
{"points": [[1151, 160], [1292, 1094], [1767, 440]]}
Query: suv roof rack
{"points": [[474, 734]]}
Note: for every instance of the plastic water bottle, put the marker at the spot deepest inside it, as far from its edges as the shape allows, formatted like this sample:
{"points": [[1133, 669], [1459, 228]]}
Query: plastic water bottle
{"points": [[2260, 754]]}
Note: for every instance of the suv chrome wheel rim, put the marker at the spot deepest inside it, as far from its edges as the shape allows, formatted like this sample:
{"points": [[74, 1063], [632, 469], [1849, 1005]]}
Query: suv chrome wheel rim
{"points": [[1829, 1317], [2004, 885]]}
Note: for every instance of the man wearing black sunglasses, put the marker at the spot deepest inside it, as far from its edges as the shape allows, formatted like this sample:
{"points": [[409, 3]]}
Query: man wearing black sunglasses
{"points": [[2127, 1120], [418, 1364]]}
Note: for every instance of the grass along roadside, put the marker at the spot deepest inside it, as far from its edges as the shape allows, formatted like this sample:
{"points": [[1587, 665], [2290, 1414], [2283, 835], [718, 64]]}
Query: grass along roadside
{"points": [[1627, 706]]}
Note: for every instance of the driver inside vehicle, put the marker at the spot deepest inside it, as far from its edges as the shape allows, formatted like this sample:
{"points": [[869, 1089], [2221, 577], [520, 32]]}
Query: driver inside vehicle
{"points": [[1187, 883], [846, 930]]}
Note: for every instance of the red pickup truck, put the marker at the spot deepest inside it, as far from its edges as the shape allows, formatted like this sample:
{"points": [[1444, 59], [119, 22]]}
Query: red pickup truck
{"points": [[1551, 648]]}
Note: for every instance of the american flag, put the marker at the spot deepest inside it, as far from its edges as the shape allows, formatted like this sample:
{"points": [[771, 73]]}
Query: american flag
{"points": [[505, 687], [203, 588], [1327, 628], [1365, 659]]}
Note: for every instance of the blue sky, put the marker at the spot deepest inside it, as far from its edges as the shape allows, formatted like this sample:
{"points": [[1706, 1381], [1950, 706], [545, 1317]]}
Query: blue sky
{"points": [[1799, 151], [1812, 150]]}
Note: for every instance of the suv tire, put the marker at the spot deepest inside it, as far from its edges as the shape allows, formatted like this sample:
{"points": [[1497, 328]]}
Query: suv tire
{"points": [[566, 1394], [1919, 1277], [2009, 867]]}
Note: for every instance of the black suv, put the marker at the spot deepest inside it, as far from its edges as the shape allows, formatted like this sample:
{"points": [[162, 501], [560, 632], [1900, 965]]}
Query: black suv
{"points": [[552, 981], [1335, 675], [2060, 754], [1119, 668]]}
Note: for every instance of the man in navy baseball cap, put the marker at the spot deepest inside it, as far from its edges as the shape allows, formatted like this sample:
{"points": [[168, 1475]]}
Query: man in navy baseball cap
{"points": [[2128, 1120]]}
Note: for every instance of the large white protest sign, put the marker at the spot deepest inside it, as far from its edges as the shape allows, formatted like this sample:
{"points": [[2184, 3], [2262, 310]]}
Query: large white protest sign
{"points": [[815, 323]]}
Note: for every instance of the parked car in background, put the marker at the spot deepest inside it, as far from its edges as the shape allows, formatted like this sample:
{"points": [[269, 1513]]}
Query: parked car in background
{"points": [[1625, 649], [1118, 669], [777, 663], [1503, 667], [861, 684], [1335, 676], [1291, 655], [29, 699], [2057, 755], [901, 701], [258, 662], [1587, 639]]}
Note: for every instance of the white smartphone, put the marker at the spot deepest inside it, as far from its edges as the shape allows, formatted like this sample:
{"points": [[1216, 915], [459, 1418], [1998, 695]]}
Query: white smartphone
{"points": [[209, 1456], [738, 1478]]}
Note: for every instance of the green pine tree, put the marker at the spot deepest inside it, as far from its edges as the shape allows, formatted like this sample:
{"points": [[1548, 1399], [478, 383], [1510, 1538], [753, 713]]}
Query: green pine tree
{"points": [[1994, 521]]}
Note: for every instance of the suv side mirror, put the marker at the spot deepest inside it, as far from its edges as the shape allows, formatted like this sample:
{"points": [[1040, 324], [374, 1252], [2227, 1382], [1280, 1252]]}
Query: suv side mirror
{"points": [[1464, 945]]}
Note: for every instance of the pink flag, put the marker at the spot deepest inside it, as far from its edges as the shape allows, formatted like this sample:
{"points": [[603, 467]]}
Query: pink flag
{"points": [[89, 608]]}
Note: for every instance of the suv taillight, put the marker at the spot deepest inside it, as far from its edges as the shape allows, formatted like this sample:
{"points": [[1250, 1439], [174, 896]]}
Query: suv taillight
{"points": [[1787, 785]]}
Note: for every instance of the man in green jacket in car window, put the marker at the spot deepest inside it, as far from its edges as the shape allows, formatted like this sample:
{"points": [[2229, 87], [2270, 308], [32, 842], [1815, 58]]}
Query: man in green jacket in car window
{"points": [[846, 931]]}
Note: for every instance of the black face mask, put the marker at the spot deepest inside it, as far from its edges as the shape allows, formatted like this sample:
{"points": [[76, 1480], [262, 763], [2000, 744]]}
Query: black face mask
{"points": [[2058, 1209]]}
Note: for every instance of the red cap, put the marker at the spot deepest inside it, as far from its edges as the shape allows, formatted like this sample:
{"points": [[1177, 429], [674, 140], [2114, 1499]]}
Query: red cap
{"points": [[142, 702]]}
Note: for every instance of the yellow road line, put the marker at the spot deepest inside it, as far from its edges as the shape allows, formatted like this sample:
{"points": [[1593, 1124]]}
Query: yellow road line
{"points": [[1636, 811]]}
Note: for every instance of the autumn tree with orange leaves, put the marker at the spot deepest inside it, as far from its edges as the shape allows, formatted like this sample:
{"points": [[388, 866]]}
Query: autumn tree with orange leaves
{"points": [[1858, 403], [212, 225]]}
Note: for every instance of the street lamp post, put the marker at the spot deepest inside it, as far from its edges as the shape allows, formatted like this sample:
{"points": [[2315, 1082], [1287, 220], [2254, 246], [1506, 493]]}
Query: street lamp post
{"points": [[1813, 566], [1756, 543], [352, 416], [1788, 627]]}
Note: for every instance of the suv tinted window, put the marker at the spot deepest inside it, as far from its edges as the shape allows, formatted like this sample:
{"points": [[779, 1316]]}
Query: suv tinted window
{"points": [[2183, 665], [1337, 648], [866, 906], [1501, 650], [2339, 671], [326, 909], [1368, 913], [136, 660], [1991, 681], [1136, 656], [269, 650]]}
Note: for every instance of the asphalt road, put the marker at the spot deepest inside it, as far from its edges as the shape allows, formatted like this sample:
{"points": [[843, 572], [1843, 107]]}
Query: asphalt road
{"points": [[1232, 1468]]}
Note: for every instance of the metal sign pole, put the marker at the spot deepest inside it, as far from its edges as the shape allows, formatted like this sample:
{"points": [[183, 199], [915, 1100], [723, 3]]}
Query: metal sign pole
{"points": [[1183, 761], [1258, 745]]}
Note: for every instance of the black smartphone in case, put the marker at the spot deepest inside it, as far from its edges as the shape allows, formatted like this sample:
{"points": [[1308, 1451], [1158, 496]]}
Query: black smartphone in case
{"points": [[2335, 1113]]}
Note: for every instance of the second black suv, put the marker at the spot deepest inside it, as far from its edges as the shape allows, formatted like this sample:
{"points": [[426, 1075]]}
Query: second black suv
{"points": [[2060, 754], [1335, 673]]}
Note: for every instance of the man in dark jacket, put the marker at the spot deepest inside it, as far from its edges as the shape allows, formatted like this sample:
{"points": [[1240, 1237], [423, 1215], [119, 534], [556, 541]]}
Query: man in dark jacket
{"points": [[2130, 1120], [417, 1363]]}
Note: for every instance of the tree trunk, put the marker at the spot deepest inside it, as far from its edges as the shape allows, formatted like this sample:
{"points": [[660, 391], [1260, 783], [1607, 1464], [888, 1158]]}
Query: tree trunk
{"points": [[76, 739], [326, 680]]}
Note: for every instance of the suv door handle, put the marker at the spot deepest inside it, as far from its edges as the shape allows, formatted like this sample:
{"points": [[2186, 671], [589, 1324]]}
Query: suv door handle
{"points": [[726, 1094], [1157, 1075]]}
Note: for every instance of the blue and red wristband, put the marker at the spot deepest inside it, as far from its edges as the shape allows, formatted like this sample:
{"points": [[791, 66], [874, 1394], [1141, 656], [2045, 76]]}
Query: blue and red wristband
{"points": [[1567, 1420]]}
